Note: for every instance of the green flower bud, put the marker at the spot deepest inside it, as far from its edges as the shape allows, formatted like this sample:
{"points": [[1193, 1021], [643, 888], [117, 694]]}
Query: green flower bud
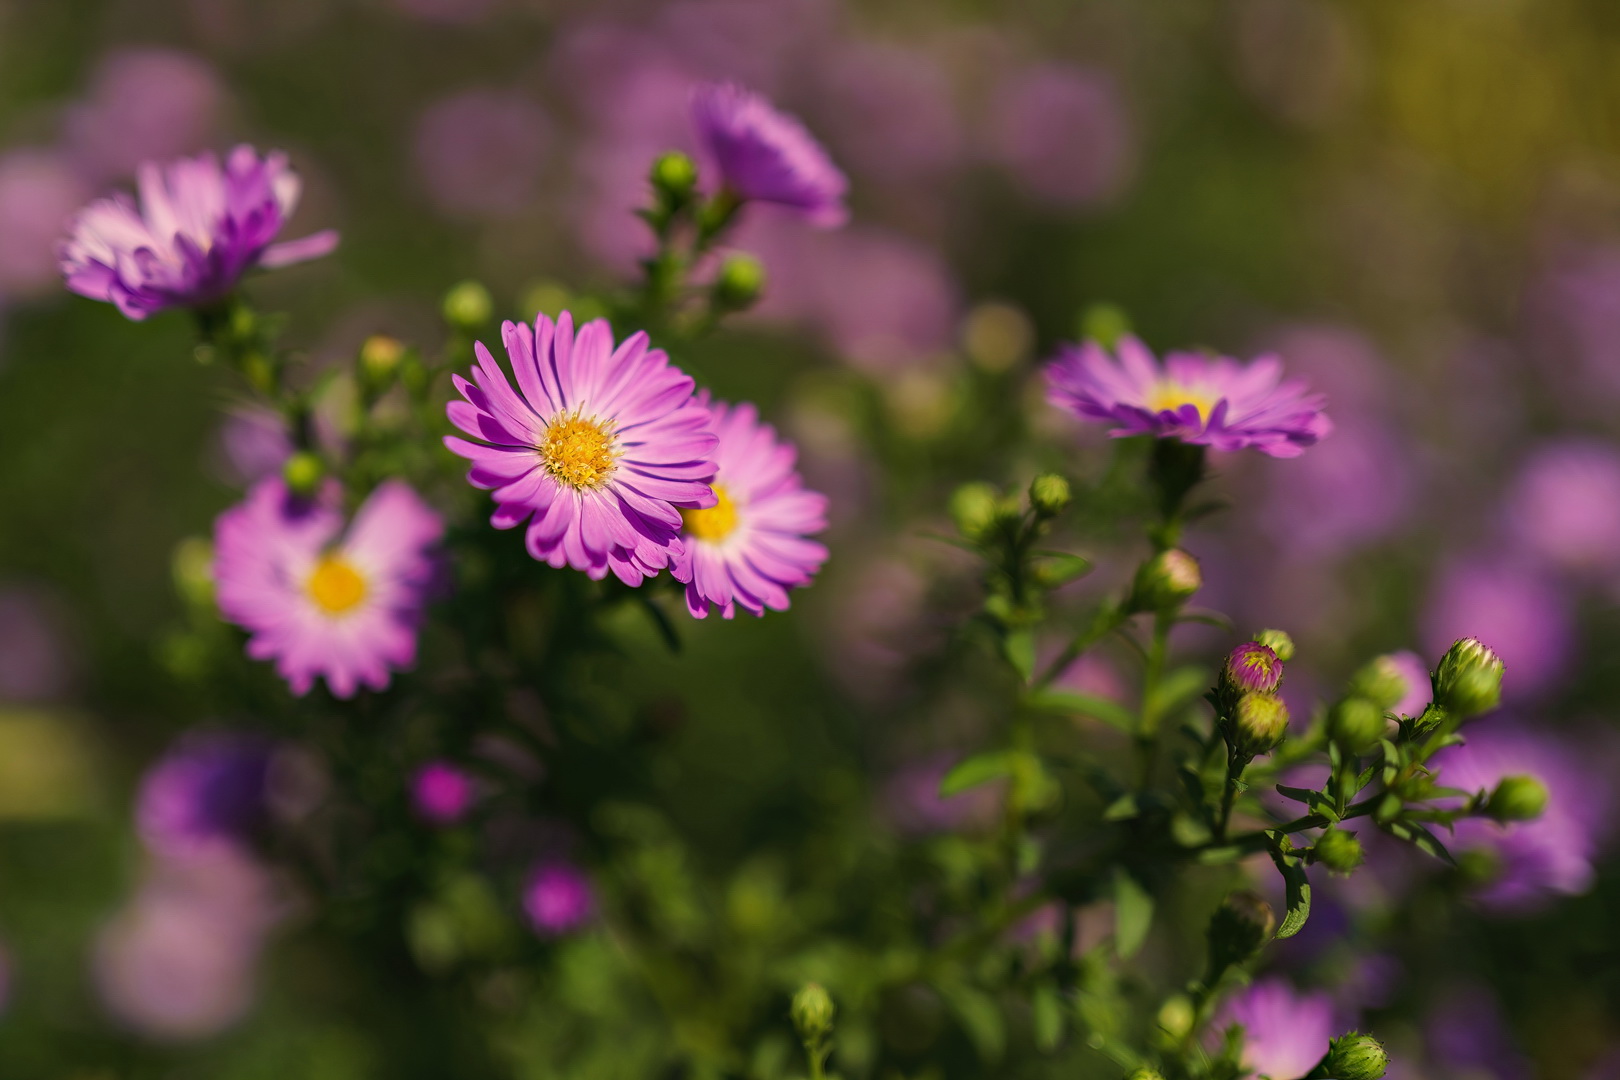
{"points": [[379, 356], [193, 567], [1259, 723], [303, 472], [1517, 798], [674, 175], [1144, 1073], [1380, 681], [1278, 642], [1356, 723], [1240, 926], [741, 280], [468, 306], [1339, 851], [812, 1012], [1049, 494], [1469, 679], [1168, 579], [1176, 1017], [1105, 324], [1355, 1056], [974, 508]]}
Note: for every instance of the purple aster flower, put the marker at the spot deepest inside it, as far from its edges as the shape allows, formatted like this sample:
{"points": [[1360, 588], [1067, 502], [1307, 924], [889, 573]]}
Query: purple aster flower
{"points": [[1285, 1032], [764, 155], [1063, 134], [601, 446], [1206, 401], [749, 548], [1254, 667], [206, 789], [199, 228], [1534, 860], [441, 792], [321, 596], [559, 899], [480, 153], [1519, 611], [1565, 505]]}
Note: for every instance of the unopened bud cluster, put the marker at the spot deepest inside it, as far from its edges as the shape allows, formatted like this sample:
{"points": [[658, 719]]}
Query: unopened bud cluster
{"points": [[1256, 718]]}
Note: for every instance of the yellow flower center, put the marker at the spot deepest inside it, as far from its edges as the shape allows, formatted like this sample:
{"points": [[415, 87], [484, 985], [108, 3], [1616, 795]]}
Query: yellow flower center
{"points": [[336, 586], [579, 452], [714, 524], [1171, 396]]}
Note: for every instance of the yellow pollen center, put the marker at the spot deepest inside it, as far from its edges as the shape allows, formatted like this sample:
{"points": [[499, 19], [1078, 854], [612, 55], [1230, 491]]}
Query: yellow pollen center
{"points": [[1171, 396], [336, 586], [577, 451], [714, 524]]}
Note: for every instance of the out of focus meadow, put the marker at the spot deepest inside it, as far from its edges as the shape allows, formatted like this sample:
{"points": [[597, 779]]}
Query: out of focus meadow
{"points": [[1415, 202]]}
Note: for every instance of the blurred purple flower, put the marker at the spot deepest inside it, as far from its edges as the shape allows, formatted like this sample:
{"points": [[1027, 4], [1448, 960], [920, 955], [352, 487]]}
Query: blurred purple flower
{"points": [[1419, 691], [558, 899], [1354, 488], [1467, 1033], [911, 802], [1285, 1032], [1564, 506], [1520, 613], [38, 195], [179, 962], [144, 105], [35, 661], [207, 789], [448, 11], [1575, 309], [441, 792], [1215, 402], [256, 443], [890, 114], [884, 301], [199, 228], [481, 152], [753, 41], [1535, 860], [765, 155], [1063, 133]]}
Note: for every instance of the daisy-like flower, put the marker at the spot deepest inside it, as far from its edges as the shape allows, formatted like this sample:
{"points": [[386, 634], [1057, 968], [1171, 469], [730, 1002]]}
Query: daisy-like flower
{"points": [[764, 155], [749, 548], [1285, 1033], [200, 226], [321, 596], [602, 447], [1202, 400], [1254, 667]]}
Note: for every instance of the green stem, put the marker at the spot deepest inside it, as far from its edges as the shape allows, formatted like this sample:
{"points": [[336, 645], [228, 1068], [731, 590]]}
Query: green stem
{"points": [[1147, 729]]}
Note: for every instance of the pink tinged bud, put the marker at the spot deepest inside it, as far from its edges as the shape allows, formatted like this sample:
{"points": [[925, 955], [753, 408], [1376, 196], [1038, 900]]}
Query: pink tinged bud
{"points": [[442, 793], [1254, 668], [559, 899]]}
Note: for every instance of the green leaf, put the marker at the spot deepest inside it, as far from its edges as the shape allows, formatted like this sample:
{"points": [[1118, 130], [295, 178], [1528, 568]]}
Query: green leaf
{"points": [[1177, 689], [976, 770], [1046, 1012], [1297, 894], [1133, 914], [1122, 809], [1059, 569], [1422, 839], [1073, 703], [1019, 648], [980, 1018]]}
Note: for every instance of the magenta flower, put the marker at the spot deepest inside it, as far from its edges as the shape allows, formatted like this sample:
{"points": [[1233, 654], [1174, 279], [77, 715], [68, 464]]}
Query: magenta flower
{"points": [[206, 790], [559, 899], [323, 597], [602, 446], [767, 156], [441, 792], [1254, 667], [1285, 1033], [749, 548], [1202, 400], [199, 228]]}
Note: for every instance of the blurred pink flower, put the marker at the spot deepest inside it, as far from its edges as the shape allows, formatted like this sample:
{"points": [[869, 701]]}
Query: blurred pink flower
{"points": [[144, 105], [890, 114], [481, 152], [559, 899], [1064, 135], [39, 195], [1564, 505]]}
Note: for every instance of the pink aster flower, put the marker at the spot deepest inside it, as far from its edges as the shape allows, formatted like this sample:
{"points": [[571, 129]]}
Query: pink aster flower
{"points": [[749, 548], [559, 899], [1201, 400], [1254, 667], [1285, 1033], [603, 447], [200, 227], [764, 155], [442, 793], [325, 597]]}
